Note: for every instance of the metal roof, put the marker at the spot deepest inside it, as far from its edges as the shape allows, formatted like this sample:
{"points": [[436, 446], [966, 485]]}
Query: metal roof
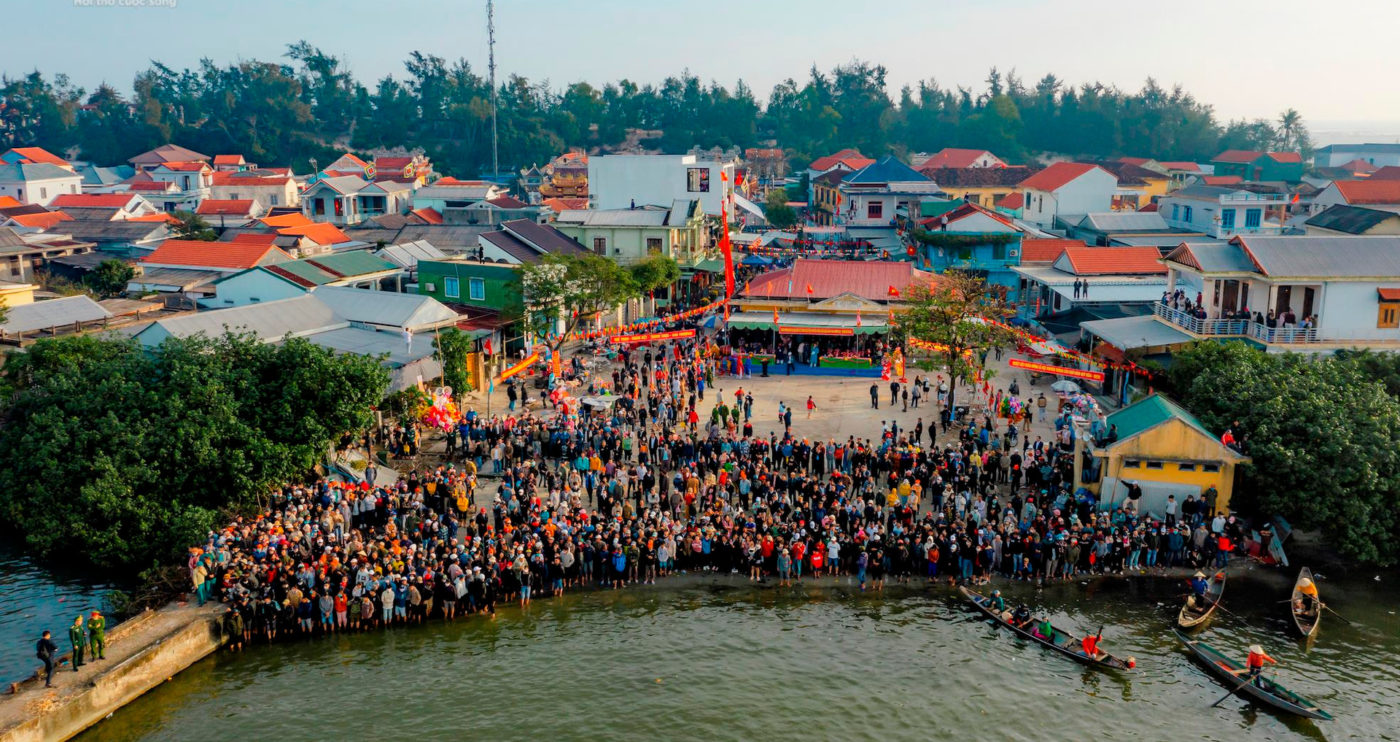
{"points": [[376, 342], [1148, 413], [42, 315], [1350, 219], [1128, 333], [1220, 257], [387, 308], [614, 217], [407, 255], [300, 315], [1125, 221], [1325, 256]]}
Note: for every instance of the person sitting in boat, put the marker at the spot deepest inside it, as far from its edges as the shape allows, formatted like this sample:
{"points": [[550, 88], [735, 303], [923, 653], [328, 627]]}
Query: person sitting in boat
{"points": [[1021, 617], [998, 603], [1090, 645], [1254, 664], [1306, 603], [1045, 631]]}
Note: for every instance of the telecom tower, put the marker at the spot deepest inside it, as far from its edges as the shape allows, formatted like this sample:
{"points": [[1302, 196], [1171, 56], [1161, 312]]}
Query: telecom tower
{"points": [[491, 68]]}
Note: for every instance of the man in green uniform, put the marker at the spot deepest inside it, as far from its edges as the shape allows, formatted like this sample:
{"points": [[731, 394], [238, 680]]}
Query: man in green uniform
{"points": [[97, 636], [77, 634], [233, 628]]}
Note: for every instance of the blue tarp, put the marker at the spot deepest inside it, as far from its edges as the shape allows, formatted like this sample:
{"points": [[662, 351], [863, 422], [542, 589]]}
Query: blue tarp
{"points": [[757, 260]]}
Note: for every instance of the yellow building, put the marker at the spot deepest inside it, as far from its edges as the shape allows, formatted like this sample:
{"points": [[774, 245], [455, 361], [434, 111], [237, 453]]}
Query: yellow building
{"points": [[1166, 451], [983, 186], [16, 294]]}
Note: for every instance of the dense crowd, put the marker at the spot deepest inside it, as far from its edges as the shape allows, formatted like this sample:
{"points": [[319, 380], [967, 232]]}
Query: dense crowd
{"points": [[666, 480]]}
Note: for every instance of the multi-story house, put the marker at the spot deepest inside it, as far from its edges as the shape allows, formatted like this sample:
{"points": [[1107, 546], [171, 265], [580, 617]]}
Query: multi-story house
{"points": [[1066, 191], [1255, 166], [1223, 212]]}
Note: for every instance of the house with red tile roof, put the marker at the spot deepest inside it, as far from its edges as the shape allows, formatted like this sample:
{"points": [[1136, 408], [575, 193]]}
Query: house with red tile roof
{"points": [[166, 153], [1066, 191], [228, 212], [33, 155], [1081, 276], [268, 187], [1388, 172], [953, 157], [224, 257], [415, 169], [565, 204], [981, 240], [231, 164], [1256, 166], [847, 160], [1045, 250], [41, 221], [1370, 193], [124, 205]]}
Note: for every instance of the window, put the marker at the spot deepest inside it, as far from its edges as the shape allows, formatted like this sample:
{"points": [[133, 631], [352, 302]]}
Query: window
{"points": [[1186, 213], [274, 200], [43, 193], [1154, 465], [1176, 212], [1211, 468], [1389, 315], [1186, 467], [875, 210], [1252, 218], [653, 245], [1131, 463], [451, 287], [999, 251], [697, 179], [600, 245], [476, 289], [318, 207], [1227, 219]]}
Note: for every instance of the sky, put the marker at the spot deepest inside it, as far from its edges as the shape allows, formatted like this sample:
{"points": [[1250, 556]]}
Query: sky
{"points": [[1247, 58]]}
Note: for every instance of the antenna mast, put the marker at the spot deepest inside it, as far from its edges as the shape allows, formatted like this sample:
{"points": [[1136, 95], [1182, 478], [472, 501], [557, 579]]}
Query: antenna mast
{"points": [[491, 67]]}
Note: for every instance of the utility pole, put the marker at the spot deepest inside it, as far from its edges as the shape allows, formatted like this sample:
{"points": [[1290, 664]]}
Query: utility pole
{"points": [[491, 67]]}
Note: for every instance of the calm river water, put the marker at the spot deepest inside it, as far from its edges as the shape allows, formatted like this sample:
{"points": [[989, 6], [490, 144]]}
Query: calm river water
{"points": [[33, 599], [717, 659]]}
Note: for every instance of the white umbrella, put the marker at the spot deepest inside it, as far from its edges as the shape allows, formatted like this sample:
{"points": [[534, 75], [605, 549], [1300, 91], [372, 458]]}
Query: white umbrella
{"points": [[1066, 386]]}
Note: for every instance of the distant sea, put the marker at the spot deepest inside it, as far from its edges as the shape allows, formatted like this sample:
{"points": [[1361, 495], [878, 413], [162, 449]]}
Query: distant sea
{"points": [[1353, 132]]}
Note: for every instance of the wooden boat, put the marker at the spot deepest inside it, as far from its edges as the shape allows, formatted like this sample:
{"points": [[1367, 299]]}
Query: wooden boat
{"points": [[1192, 617], [1305, 622], [1064, 643], [1268, 692]]}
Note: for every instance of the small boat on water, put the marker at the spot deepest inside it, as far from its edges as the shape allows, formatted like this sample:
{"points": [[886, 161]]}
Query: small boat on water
{"points": [[1195, 613], [1306, 609], [1267, 692], [1063, 642]]}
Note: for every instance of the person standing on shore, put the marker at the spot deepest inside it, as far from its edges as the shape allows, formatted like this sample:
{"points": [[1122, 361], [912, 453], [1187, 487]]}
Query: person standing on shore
{"points": [[97, 636], [45, 649], [77, 635]]}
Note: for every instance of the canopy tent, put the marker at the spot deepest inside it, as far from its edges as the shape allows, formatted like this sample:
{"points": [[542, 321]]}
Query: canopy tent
{"points": [[756, 260], [797, 321]]}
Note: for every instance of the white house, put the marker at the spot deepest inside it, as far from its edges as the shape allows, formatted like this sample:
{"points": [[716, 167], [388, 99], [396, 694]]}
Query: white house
{"points": [[268, 188], [334, 200], [37, 183], [124, 205], [957, 158], [1383, 195], [1378, 154], [1308, 293], [1067, 189], [1223, 212], [630, 235], [877, 193], [357, 269], [625, 181], [451, 196]]}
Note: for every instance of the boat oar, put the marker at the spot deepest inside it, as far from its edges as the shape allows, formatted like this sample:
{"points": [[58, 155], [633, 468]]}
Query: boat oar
{"points": [[1338, 615], [1232, 692]]}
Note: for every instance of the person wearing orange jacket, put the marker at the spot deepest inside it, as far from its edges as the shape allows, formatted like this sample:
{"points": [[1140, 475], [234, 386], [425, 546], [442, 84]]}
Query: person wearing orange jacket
{"points": [[1254, 663]]}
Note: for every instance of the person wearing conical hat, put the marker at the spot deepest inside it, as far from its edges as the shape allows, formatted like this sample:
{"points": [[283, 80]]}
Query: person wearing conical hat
{"points": [[1307, 602], [1254, 664]]}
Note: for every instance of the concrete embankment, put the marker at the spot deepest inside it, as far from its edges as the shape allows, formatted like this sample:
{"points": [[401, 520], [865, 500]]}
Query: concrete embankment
{"points": [[142, 652]]}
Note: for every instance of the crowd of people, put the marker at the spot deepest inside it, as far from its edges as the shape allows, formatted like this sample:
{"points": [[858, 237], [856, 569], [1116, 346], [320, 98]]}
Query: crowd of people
{"points": [[676, 476]]}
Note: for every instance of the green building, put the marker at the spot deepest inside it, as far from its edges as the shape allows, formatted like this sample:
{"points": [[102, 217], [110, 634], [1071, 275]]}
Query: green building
{"points": [[1254, 166], [474, 284]]}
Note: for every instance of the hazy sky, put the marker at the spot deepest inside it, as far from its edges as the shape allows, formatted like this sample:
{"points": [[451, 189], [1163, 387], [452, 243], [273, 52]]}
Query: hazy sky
{"points": [[1246, 57]]}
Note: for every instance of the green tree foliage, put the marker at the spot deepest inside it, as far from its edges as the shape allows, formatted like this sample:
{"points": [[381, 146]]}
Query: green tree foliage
{"points": [[950, 314], [309, 106], [574, 287], [188, 225], [110, 278], [777, 211], [120, 457], [654, 272], [452, 346], [1324, 435]]}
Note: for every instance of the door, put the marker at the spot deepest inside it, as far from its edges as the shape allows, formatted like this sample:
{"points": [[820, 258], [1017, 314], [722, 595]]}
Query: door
{"points": [[1229, 295], [1283, 300], [1308, 294]]}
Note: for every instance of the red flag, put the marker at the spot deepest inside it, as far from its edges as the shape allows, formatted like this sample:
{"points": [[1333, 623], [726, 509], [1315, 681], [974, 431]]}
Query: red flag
{"points": [[809, 289], [775, 315], [488, 346], [1294, 199], [857, 319], [894, 292], [727, 249]]}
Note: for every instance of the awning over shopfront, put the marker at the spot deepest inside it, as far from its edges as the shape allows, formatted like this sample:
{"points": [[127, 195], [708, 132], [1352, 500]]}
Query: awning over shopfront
{"points": [[1136, 332], [794, 322]]}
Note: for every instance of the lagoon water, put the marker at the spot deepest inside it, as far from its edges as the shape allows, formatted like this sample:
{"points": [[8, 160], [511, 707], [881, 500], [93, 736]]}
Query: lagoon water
{"points": [[34, 598], [717, 658]]}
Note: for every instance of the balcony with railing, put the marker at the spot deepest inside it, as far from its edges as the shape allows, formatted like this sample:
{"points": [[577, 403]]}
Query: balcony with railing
{"points": [[1242, 328]]}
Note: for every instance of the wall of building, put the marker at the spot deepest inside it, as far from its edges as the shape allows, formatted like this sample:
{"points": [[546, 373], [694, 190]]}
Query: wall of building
{"points": [[1350, 310], [616, 181], [252, 287], [498, 282], [1090, 193], [41, 192], [1173, 444]]}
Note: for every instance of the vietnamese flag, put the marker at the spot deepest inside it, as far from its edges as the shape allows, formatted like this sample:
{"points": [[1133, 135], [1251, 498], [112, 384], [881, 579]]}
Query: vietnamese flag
{"points": [[775, 315], [809, 289], [726, 248], [894, 292]]}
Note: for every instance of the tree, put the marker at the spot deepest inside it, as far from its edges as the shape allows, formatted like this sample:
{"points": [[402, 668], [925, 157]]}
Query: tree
{"points": [[117, 456], [952, 315], [777, 211], [654, 272], [573, 288], [1324, 436], [452, 346], [110, 278], [187, 225]]}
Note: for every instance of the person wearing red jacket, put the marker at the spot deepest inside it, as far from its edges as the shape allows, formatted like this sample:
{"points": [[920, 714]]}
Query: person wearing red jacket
{"points": [[1254, 663]]}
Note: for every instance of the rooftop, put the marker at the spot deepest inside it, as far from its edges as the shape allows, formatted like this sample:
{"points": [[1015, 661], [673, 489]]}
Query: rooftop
{"points": [[828, 278], [1369, 191], [952, 157], [224, 255], [1058, 175], [1088, 261], [1351, 219], [1148, 413]]}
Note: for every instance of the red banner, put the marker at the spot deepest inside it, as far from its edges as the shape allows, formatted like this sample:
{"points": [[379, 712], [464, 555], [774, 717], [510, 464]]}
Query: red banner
{"points": [[816, 330], [648, 337], [1050, 368], [517, 368]]}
